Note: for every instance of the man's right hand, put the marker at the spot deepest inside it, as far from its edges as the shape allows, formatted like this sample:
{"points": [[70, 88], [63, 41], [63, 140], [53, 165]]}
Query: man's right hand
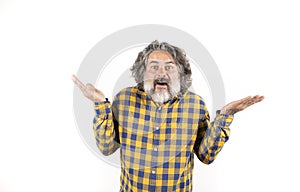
{"points": [[89, 90]]}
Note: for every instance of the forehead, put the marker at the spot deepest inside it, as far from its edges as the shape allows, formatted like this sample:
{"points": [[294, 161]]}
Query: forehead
{"points": [[160, 55]]}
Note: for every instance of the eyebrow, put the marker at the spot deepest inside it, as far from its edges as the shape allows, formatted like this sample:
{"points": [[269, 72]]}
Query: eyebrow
{"points": [[156, 62]]}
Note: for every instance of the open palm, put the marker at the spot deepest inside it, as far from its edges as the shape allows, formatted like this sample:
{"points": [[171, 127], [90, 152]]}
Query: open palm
{"points": [[89, 90], [239, 105]]}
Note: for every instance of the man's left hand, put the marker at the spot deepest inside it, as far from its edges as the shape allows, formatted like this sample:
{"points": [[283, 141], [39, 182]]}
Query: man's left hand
{"points": [[239, 105]]}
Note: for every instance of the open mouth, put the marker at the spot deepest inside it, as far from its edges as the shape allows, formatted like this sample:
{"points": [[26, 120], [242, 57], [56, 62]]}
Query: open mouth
{"points": [[161, 86]]}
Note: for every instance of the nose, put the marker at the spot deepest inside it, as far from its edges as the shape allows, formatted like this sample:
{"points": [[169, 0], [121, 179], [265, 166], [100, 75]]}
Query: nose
{"points": [[161, 72]]}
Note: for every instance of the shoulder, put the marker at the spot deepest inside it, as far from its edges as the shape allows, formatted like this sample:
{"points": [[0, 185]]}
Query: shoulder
{"points": [[126, 92], [195, 101], [193, 97]]}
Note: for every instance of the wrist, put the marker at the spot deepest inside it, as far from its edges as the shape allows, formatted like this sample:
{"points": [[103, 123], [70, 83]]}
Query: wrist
{"points": [[228, 111], [99, 99]]}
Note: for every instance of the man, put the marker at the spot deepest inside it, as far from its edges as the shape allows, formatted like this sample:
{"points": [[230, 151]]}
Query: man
{"points": [[159, 124]]}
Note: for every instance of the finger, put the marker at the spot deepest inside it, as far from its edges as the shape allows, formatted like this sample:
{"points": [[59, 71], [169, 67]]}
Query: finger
{"points": [[257, 98], [90, 86], [244, 103], [261, 98], [253, 100], [245, 99], [78, 82]]}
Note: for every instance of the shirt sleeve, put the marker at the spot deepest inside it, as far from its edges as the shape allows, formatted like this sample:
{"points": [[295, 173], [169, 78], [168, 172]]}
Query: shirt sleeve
{"points": [[105, 128], [212, 136]]}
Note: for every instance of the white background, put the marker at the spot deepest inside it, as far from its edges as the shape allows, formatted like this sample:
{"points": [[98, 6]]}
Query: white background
{"points": [[255, 44]]}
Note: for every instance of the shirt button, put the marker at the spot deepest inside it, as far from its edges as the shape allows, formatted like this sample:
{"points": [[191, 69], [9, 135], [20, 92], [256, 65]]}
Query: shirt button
{"points": [[153, 172]]}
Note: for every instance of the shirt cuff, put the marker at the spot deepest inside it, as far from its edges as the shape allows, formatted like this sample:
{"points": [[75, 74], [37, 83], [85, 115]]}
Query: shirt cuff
{"points": [[223, 120], [102, 108]]}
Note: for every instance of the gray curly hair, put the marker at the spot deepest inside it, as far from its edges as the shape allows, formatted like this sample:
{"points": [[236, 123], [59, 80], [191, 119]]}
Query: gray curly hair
{"points": [[139, 67]]}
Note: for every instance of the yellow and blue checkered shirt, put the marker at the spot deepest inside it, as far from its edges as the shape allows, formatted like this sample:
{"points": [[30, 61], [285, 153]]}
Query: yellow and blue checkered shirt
{"points": [[157, 143]]}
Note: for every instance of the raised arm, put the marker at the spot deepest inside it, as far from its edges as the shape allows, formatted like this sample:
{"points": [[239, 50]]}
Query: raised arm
{"points": [[213, 135], [105, 126]]}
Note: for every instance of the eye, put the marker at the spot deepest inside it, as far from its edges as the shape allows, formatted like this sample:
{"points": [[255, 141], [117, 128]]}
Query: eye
{"points": [[169, 67], [154, 67]]}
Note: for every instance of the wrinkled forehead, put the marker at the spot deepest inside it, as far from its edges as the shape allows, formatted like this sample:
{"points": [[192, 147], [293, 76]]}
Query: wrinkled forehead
{"points": [[160, 56]]}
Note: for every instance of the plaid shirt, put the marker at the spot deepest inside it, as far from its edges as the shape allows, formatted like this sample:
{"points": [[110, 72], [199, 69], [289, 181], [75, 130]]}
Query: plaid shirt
{"points": [[157, 144]]}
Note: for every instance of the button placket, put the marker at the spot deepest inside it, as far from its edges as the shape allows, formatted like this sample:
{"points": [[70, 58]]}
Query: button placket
{"points": [[156, 132]]}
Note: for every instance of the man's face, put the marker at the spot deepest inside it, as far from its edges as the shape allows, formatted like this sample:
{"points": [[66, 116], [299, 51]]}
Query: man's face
{"points": [[161, 79]]}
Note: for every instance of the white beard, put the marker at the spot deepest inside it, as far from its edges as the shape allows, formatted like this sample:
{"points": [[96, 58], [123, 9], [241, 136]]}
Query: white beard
{"points": [[162, 97]]}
